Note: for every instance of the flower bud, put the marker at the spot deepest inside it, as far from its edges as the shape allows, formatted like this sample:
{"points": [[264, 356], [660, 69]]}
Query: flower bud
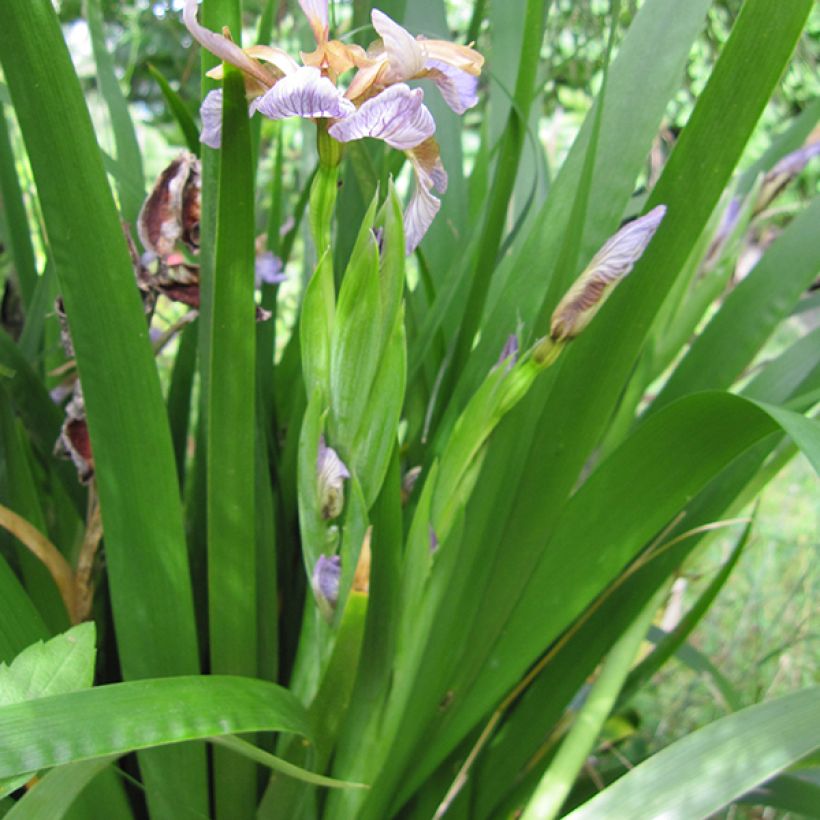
{"points": [[611, 264], [331, 475], [783, 173], [325, 579]]}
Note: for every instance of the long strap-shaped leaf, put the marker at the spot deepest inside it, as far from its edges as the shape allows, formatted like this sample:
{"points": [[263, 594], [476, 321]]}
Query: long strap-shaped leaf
{"points": [[13, 212], [232, 436], [145, 546], [121, 717], [706, 770], [131, 191]]}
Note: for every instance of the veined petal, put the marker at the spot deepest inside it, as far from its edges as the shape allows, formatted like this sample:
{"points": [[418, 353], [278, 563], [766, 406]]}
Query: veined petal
{"points": [[426, 159], [420, 213], [456, 86], [608, 267], [221, 46], [423, 206], [404, 53], [397, 116], [211, 114], [316, 13], [461, 57], [305, 93]]}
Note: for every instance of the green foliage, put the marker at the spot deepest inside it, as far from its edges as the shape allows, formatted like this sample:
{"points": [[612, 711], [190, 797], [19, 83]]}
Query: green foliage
{"points": [[371, 532]]}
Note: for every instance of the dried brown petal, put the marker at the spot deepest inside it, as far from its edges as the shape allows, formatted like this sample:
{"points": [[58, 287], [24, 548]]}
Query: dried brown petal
{"points": [[162, 220], [74, 441]]}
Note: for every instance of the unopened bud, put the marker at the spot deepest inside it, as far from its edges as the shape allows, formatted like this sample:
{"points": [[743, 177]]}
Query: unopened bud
{"points": [[608, 267], [331, 475], [509, 353], [783, 173], [408, 483], [325, 580]]}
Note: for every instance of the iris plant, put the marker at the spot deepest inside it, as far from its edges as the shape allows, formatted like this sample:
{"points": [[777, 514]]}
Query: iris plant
{"points": [[376, 103]]}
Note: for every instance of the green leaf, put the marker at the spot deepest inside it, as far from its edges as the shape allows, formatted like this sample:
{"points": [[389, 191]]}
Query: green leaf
{"points": [[644, 671], [121, 717], [19, 490], [20, 622], [555, 785], [707, 770], [57, 790], [278, 764], [751, 311], [355, 347], [797, 792], [178, 108], [232, 434], [63, 664], [41, 417], [129, 158], [146, 556], [13, 212]]}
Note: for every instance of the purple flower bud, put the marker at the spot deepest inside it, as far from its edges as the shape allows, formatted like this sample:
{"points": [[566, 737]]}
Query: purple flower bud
{"points": [[509, 352], [608, 267], [331, 475], [783, 173], [325, 580]]}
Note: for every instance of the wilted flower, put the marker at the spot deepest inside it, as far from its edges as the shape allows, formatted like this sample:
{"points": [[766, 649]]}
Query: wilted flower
{"points": [[171, 212], [332, 473], [608, 267], [325, 579], [377, 103], [74, 441]]}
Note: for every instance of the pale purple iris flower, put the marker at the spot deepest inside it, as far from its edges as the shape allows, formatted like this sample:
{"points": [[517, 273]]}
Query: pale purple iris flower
{"points": [[377, 103]]}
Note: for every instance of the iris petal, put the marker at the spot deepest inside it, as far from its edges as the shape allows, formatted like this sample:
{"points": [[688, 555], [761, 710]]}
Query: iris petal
{"points": [[397, 116], [316, 13], [211, 113], [456, 86], [305, 93], [403, 51], [419, 215]]}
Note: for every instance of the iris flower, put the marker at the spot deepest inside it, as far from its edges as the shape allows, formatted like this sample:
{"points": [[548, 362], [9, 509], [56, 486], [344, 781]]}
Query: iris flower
{"points": [[376, 103]]}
